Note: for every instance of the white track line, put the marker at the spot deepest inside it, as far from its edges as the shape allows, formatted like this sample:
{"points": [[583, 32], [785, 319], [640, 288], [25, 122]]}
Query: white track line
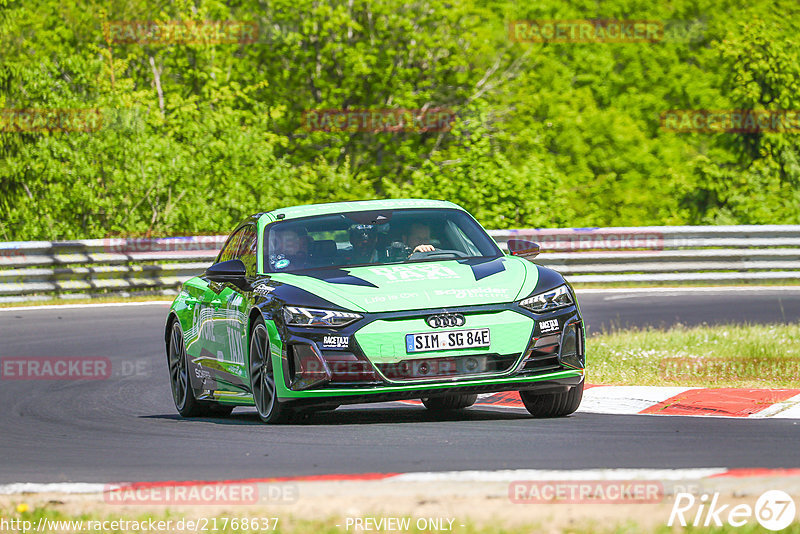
{"points": [[80, 306], [581, 291], [578, 474], [685, 289], [57, 487], [446, 476], [788, 409]]}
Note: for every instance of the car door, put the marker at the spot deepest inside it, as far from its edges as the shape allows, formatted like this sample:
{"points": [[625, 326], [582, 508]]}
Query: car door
{"points": [[226, 336], [207, 351], [200, 300]]}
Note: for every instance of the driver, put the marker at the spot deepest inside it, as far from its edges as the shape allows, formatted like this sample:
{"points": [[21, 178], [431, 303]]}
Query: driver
{"points": [[418, 238], [364, 239], [288, 246]]}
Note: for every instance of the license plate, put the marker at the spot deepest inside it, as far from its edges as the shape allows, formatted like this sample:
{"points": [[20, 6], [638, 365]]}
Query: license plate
{"points": [[456, 339]]}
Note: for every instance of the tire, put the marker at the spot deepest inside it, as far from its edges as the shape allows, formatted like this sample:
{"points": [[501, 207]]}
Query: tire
{"points": [[262, 378], [449, 402], [181, 385], [182, 392], [552, 404]]}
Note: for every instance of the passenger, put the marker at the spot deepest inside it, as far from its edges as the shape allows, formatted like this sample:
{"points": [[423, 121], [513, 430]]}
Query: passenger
{"points": [[364, 239], [288, 248]]}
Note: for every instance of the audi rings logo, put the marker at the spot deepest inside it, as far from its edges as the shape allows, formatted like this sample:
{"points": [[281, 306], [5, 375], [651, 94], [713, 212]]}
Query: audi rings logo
{"points": [[445, 320]]}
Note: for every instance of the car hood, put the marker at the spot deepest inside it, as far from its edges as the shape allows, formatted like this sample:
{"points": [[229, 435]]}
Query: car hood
{"points": [[420, 285]]}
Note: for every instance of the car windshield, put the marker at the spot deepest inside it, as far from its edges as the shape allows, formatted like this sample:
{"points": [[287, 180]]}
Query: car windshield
{"points": [[374, 238]]}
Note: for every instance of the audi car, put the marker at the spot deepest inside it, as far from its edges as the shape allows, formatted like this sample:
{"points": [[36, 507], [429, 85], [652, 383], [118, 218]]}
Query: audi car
{"points": [[307, 308]]}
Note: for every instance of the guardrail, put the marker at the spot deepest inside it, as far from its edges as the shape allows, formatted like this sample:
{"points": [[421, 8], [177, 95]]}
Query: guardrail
{"points": [[38, 270], [89, 268], [668, 253]]}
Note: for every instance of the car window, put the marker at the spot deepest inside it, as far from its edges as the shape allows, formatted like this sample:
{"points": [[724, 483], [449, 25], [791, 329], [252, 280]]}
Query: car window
{"points": [[462, 239], [231, 246], [374, 238], [246, 250]]}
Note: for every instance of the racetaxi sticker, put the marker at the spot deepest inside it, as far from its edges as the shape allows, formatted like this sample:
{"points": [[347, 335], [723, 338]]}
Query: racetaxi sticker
{"points": [[548, 326], [402, 273], [335, 342]]}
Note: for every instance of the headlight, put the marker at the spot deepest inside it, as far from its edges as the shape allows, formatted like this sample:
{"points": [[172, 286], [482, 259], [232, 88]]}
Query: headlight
{"points": [[549, 300], [308, 317]]}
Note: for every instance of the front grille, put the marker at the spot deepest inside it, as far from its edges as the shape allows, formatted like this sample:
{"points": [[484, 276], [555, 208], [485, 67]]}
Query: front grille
{"points": [[460, 366], [543, 356]]}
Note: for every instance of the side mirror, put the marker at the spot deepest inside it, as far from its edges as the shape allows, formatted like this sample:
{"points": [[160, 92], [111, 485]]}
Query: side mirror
{"points": [[231, 271], [523, 248]]}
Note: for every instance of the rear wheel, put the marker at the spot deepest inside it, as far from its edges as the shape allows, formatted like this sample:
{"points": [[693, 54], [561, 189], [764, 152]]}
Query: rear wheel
{"points": [[450, 402], [262, 378], [182, 392], [552, 404]]}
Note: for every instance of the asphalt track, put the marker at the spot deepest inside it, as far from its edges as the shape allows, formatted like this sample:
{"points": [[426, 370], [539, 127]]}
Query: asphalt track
{"points": [[125, 428]]}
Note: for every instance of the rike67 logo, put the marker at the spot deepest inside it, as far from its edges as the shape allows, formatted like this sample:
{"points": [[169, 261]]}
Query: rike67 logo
{"points": [[774, 510]]}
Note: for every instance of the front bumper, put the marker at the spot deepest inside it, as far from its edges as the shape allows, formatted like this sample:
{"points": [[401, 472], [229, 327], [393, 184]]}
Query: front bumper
{"points": [[368, 362], [554, 383]]}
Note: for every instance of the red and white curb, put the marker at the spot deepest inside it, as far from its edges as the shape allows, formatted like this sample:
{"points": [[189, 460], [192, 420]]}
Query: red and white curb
{"points": [[509, 475], [631, 400], [720, 402]]}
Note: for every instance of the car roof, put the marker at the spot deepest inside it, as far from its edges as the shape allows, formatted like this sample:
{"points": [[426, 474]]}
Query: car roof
{"points": [[295, 212]]}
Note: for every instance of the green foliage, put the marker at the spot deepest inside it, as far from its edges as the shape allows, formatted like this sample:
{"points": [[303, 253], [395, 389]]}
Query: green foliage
{"points": [[196, 135], [755, 177]]}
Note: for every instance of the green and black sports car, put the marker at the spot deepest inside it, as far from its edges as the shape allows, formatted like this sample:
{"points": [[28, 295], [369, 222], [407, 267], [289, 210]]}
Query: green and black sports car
{"points": [[310, 307]]}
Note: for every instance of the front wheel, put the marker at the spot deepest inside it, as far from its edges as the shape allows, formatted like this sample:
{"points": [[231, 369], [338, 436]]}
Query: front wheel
{"points": [[552, 404], [262, 378], [449, 402]]}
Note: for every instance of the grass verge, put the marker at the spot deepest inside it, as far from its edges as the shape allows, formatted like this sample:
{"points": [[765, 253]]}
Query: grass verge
{"points": [[742, 356]]}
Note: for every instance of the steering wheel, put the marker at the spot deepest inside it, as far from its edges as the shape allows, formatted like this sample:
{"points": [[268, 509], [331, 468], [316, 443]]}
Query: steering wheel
{"points": [[437, 253]]}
